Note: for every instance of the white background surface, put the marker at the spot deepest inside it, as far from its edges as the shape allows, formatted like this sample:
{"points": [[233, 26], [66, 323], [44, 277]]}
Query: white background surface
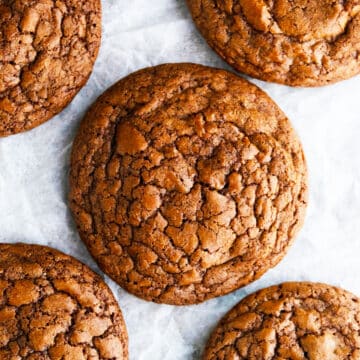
{"points": [[141, 33]]}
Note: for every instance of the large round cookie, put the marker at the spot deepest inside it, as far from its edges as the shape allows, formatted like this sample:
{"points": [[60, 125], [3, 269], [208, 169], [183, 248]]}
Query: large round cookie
{"points": [[187, 183], [293, 42], [47, 52], [53, 307], [296, 321]]}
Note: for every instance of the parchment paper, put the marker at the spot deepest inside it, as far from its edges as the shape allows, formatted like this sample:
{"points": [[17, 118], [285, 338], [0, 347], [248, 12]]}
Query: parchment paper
{"points": [[140, 33]]}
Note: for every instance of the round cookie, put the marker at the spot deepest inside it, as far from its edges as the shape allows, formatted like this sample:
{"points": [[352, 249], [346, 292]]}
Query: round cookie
{"points": [[54, 307], [290, 321], [47, 52], [187, 182], [293, 42]]}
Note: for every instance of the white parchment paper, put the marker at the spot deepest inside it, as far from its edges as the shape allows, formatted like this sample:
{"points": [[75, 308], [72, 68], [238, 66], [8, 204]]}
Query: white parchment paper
{"points": [[141, 33]]}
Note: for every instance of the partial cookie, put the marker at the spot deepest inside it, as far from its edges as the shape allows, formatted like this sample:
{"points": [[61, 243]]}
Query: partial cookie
{"points": [[187, 182], [290, 321], [47, 52], [297, 42], [54, 307]]}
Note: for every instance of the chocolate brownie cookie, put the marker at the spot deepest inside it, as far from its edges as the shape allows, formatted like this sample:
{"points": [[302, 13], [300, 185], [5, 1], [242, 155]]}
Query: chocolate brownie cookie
{"points": [[47, 52], [53, 307], [291, 321], [187, 182], [293, 42]]}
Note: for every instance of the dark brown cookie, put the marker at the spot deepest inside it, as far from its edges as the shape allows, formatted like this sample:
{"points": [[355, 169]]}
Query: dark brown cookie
{"points": [[293, 42], [47, 52], [295, 321], [187, 182], [54, 307]]}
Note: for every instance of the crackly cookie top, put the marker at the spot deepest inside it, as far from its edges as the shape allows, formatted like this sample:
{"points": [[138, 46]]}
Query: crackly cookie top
{"points": [[294, 42], [47, 51], [187, 182], [296, 321], [53, 307]]}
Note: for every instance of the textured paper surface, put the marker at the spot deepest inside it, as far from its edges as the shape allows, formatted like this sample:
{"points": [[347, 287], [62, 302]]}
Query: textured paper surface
{"points": [[140, 33]]}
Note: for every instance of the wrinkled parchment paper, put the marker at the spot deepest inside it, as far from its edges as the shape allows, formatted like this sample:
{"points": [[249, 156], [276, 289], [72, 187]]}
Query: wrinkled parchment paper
{"points": [[141, 33]]}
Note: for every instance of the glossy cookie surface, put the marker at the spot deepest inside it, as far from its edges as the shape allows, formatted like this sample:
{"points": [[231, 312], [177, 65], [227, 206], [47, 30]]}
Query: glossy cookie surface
{"points": [[54, 307], [187, 182], [290, 321], [47, 52], [293, 42]]}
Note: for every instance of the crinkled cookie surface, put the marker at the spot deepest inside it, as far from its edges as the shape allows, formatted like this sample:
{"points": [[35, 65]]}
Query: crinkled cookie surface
{"points": [[47, 52], [293, 42], [291, 321], [53, 307], [187, 183]]}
